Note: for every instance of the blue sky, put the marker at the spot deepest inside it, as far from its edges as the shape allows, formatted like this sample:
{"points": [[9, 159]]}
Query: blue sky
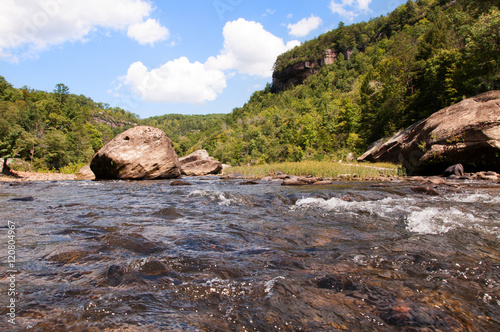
{"points": [[159, 57]]}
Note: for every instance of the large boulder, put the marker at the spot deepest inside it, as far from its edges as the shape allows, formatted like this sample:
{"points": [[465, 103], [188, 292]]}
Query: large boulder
{"points": [[467, 133], [199, 163], [140, 153]]}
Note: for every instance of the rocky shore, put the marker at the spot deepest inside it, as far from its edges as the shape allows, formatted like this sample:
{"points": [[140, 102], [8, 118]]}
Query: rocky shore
{"points": [[31, 176]]}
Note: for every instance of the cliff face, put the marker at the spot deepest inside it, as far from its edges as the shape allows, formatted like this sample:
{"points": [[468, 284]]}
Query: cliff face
{"points": [[296, 74]]}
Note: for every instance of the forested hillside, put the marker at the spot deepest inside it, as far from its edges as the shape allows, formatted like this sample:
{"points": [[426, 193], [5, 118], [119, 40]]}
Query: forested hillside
{"points": [[381, 76], [389, 73], [56, 129]]}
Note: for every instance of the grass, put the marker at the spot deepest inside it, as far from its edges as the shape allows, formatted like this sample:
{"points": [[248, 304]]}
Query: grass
{"points": [[321, 169]]}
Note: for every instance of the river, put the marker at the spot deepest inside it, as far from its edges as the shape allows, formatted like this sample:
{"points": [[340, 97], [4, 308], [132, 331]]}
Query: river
{"points": [[221, 256]]}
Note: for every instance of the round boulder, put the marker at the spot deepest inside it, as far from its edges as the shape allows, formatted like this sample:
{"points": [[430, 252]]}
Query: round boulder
{"points": [[140, 153]]}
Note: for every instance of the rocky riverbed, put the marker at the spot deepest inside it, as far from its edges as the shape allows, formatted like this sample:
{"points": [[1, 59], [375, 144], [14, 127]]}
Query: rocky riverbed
{"points": [[218, 255]]}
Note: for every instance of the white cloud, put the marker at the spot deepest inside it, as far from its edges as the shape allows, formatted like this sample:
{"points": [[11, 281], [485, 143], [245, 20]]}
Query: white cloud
{"points": [[148, 32], [30, 26], [269, 12], [249, 49], [350, 9], [305, 26], [178, 81]]}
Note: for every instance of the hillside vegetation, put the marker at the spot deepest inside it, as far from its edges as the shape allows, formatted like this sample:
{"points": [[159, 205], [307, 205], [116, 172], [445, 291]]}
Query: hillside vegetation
{"points": [[388, 73], [56, 129]]}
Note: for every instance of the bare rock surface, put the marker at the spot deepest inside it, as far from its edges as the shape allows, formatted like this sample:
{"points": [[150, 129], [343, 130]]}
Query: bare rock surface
{"points": [[140, 153], [199, 163], [467, 133], [85, 173]]}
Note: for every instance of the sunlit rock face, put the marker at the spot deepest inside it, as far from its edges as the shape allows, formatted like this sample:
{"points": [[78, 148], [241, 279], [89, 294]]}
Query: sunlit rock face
{"points": [[140, 153], [467, 133]]}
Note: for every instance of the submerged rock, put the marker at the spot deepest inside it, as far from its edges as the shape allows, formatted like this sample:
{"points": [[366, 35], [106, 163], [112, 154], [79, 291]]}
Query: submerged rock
{"points": [[140, 153], [466, 133], [199, 163]]}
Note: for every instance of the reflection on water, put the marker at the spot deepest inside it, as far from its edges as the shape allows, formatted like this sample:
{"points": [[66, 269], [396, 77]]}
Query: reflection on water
{"points": [[218, 256]]}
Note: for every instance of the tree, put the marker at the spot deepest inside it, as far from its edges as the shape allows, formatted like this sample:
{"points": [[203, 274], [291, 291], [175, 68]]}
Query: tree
{"points": [[9, 149], [62, 92]]}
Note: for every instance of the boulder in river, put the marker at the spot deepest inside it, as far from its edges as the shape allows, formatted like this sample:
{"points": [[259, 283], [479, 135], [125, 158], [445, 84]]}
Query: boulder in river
{"points": [[140, 153], [199, 163], [467, 133]]}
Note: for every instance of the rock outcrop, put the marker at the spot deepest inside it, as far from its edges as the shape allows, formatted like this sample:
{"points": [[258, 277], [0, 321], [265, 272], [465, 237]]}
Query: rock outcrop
{"points": [[199, 163], [140, 153], [467, 133], [295, 74]]}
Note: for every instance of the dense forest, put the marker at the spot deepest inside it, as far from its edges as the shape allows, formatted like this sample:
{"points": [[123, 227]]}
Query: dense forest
{"points": [[56, 129], [389, 72]]}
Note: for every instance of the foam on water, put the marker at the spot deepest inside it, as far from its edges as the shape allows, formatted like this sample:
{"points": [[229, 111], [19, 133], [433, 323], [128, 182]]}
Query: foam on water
{"points": [[214, 196], [434, 215]]}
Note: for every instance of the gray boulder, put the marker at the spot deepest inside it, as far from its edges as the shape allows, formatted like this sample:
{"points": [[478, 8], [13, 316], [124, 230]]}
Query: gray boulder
{"points": [[467, 133], [140, 153]]}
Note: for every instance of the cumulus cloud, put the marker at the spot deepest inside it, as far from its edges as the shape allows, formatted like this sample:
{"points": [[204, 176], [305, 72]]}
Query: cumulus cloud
{"points": [[30, 26], [350, 9], [177, 81], [304, 26], [148, 32], [249, 49]]}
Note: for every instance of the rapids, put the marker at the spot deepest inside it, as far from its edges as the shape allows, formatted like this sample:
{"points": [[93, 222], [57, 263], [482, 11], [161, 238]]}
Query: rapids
{"points": [[220, 256]]}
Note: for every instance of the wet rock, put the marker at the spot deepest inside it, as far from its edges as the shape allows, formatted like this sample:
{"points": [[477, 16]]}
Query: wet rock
{"points": [[199, 163], [457, 170], [132, 242], [435, 181], [425, 190], [22, 199], [180, 183], [487, 176], [248, 183], [322, 183], [293, 182], [465, 133], [153, 268], [140, 153], [168, 213], [338, 283], [114, 275], [68, 257]]}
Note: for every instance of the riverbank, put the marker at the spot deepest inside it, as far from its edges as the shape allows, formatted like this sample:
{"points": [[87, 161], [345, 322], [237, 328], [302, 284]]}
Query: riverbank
{"points": [[319, 169], [17, 176]]}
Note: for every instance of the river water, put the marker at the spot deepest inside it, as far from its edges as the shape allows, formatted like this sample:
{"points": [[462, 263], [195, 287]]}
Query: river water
{"points": [[221, 256]]}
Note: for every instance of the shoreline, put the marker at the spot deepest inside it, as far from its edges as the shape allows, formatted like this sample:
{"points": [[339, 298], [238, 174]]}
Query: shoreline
{"points": [[18, 176]]}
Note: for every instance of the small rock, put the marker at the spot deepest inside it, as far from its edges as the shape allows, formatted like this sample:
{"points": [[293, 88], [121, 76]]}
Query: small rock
{"points": [[322, 183], [436, 181], [293, 182], [180, 183], [487, 176], [248, 183], [153, 268], [425, 190], [114, 275], [23, 199], [457, 170], [85, 173]]}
